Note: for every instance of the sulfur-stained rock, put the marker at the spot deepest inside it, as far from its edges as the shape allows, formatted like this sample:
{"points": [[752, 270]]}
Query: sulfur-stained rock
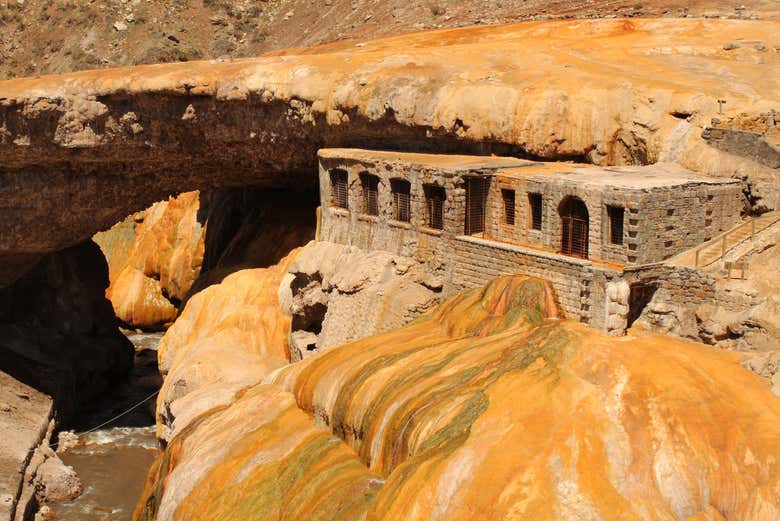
{"points": [[229, 337], [180, 246], [261, 458], [486, 409], [156, 271], [471, 414]]}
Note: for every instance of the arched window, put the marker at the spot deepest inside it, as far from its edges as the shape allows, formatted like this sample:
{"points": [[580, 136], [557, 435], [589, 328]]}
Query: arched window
{"points": [[574, 227]]}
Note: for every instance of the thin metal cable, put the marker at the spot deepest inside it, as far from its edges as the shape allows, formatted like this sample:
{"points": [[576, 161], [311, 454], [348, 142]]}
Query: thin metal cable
{"points": [[117, 416]]}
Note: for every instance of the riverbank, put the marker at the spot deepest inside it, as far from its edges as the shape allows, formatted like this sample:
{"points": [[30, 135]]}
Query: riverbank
{"points": [[112, 461]]}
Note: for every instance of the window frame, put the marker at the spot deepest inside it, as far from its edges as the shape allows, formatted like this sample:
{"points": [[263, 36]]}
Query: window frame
{"points": [[509, 195], [339, 177], [369, 184], [401, 190], [535, 211], [431, 208], [615, 212]]}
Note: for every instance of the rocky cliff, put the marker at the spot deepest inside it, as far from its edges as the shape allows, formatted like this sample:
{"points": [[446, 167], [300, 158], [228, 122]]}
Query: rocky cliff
{"points": [[60, 349], [604, 91], [484, 409], [58, 333]]}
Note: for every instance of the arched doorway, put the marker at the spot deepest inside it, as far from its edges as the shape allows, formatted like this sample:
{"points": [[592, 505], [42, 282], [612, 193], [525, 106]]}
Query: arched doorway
{"points": [[574, 227]]}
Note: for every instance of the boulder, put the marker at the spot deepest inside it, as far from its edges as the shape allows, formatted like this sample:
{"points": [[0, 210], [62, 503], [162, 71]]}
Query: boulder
{"points": [[57, 482]]}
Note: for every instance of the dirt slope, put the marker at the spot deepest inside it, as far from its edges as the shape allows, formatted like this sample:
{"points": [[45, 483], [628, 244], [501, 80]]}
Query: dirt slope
{"points": [[40, 37]]}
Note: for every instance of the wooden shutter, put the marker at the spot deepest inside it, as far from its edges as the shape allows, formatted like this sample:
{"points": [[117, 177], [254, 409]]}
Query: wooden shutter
{"points": [[401, 200], [339, 189], [434, 200], [476, 196]]}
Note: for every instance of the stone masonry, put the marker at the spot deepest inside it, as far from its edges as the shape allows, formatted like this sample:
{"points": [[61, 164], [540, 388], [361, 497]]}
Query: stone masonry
{"points": [[665, 210]]}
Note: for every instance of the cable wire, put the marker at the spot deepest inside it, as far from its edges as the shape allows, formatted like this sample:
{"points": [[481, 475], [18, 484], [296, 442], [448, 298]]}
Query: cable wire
{"points": [[90, 431]]}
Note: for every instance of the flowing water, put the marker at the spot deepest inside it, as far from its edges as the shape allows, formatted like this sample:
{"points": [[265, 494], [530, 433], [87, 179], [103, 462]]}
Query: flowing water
{"points": [[112, 461]]}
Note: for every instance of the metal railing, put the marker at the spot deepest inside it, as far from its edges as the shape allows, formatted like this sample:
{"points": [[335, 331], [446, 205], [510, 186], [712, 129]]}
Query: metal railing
{"points": [[729, 240]]}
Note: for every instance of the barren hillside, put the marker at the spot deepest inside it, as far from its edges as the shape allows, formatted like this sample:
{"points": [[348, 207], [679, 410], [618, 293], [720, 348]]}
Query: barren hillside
{"points": [[41, 37]]}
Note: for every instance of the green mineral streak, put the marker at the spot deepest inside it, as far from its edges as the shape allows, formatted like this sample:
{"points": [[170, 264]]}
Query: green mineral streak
{"points": [[440, 391], [442, 444], [548, 342], [294, 486], [162, 468], [350, 387], [527, 293], [458, 429], [523, 300], [551, 342]]}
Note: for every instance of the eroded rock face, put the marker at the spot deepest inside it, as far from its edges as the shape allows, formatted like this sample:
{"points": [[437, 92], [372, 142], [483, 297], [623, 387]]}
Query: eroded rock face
{"points": [[57, 482], [154, 258], [25, 428], [486, 409], [337, 294], [229, 337], [160, 257], [58, 333], [604, 91]]}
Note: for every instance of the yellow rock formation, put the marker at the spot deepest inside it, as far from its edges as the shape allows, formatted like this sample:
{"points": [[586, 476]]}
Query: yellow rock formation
{"points": [[485, 409], [154, 267], [229, 337], [262, 458]]}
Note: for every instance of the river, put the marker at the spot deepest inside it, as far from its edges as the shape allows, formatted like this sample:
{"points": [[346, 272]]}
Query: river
{"points": [[112, 462]]}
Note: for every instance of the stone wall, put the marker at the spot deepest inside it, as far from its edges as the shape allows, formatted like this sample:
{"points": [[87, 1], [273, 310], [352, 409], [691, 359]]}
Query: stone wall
{"points": [[415, 239], [670, 220], [658, 223], [666, 213], [750, 145], [477, 261], [679, 292]]}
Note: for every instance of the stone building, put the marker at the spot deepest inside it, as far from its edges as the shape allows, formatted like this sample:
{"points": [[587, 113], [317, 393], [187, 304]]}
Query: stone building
{"points": [[599, 234]]}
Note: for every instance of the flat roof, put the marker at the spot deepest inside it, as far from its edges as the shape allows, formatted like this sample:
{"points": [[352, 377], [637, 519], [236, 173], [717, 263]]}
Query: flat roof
{"points": [[658, 175], [449, 162]]}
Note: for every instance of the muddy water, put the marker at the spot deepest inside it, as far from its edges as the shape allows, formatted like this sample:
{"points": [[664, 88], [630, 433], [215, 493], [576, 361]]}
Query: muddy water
{"points": [[112, 461]]}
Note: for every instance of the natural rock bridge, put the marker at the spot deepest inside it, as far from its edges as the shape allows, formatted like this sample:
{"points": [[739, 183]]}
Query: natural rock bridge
{"points": [[80, 151]]}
